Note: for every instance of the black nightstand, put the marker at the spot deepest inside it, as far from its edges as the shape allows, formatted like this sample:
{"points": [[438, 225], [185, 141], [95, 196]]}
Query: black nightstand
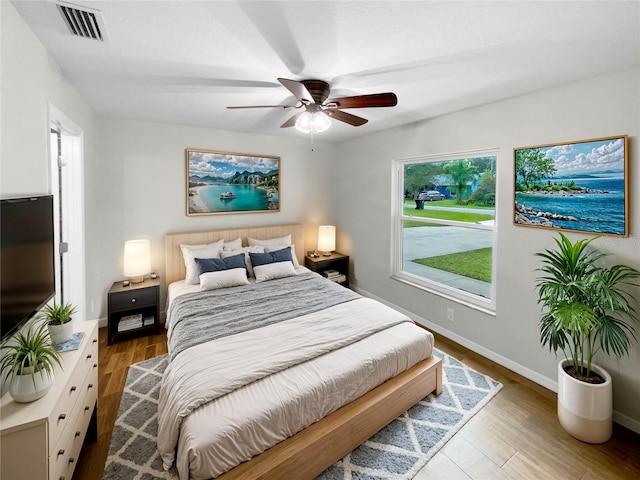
{"points": [[133, 309], [324, 264]]}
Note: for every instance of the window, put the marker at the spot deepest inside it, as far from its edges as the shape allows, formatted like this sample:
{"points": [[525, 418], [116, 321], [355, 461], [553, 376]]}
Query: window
{"points": [[444, 225]]}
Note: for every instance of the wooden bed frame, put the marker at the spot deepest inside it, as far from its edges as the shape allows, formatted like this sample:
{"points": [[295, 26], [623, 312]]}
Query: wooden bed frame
{"points": [[311, 451]]}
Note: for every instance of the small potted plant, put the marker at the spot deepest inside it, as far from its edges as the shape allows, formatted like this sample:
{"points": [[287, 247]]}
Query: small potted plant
{"points": [[58, 318], [28, 363], [587, 311]]}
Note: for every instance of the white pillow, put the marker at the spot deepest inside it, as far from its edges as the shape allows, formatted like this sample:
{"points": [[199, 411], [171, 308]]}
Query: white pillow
{"points": [[271, 271], [233, 244], [245, 250], [273, 248], [223, 279], [191, 252], [286, 240]]}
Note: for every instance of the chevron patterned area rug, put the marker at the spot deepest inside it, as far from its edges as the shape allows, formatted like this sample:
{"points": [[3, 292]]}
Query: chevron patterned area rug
{"points": [[396, 452]]}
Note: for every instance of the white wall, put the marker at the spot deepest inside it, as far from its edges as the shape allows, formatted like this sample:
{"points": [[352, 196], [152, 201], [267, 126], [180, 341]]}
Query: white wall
{"points": [[32, 89], [605, 106], [30, 80], [134, 172], [136, 188]]}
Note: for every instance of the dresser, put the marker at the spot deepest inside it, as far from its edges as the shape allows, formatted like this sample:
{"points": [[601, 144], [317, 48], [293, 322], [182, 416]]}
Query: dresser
{"points": [[43, 439]]}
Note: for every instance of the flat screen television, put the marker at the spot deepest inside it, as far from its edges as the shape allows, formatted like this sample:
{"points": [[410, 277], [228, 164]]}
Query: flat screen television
{"points": [[27, 262]]}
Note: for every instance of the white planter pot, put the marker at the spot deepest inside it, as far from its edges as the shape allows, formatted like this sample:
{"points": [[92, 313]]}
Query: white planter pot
{"points": [[585, 410], [22, 389], [61, 333]]}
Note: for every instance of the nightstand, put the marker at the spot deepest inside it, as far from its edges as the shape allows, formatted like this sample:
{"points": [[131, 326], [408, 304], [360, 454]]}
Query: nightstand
{"points": [[133, 309], [335, 267]]}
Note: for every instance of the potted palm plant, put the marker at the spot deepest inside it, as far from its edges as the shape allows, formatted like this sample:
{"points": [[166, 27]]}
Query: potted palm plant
{"points": [[586, 311], [28, 363], [58, 318]]}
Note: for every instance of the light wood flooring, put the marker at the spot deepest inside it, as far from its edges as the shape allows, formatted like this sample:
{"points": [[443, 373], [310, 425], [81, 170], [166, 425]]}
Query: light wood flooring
{"points": [[516, 436]]}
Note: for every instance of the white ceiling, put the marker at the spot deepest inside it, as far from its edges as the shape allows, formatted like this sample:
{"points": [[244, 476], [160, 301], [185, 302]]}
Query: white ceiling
{"points": [[183, 62]]}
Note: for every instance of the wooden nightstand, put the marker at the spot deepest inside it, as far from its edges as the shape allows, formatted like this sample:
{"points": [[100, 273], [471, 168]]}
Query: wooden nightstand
{"points": [[133, 309], [336, 261]]}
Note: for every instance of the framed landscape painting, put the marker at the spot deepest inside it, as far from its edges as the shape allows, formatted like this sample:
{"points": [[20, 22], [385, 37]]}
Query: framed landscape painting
{"points": [[223, 182], [580, 186]]}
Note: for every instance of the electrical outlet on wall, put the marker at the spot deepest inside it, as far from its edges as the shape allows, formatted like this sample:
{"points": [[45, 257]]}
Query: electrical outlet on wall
{"points": [[450, 314]]}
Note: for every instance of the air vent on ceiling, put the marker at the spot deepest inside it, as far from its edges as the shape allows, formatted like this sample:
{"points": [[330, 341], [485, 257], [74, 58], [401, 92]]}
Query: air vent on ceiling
{"points": [[82, 21]]}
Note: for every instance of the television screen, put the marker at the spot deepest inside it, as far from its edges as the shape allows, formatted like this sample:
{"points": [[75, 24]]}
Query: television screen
{"points": [[26, 259]]}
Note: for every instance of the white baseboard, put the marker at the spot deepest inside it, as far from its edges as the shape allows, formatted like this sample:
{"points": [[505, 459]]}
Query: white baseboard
{"points": [[624, 420]]}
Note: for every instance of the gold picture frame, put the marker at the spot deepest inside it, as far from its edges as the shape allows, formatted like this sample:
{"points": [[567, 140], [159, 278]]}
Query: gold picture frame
{"points": [[223, 182], [579, 186]]}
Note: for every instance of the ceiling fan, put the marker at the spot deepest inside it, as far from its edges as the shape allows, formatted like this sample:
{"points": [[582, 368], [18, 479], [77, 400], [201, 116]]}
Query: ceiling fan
{"points": [[313, 95]]}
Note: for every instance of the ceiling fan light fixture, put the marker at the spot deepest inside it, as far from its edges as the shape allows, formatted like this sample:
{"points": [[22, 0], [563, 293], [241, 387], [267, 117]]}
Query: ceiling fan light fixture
{"points": [[321, 122], [309, 122]]}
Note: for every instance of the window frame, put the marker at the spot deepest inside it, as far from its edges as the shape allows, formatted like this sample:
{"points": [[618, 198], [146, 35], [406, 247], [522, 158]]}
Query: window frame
{"points": [[477, 302]]}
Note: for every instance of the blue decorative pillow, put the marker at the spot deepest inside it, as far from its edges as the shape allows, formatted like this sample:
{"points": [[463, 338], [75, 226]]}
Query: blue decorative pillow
{"points": [[283, 255], [219, 264]]}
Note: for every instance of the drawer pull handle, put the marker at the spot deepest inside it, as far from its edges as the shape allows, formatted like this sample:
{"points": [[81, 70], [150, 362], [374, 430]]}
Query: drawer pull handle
{"points": [[61, 478], [61, 452], [71, 460], [62, 416], [90, 386], [78, 434], [89, 356], [95, 340], [133, 300], [73, 389], [86, 408], [95, 365]]}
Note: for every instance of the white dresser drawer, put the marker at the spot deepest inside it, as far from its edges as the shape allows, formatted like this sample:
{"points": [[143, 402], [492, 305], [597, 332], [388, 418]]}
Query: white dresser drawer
{"points": [[90, 358], [66, 457], [62, 416], [66, 449]]}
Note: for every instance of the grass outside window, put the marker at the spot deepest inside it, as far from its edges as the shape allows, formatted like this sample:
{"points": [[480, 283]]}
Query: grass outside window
{"points": [[472, 264]]}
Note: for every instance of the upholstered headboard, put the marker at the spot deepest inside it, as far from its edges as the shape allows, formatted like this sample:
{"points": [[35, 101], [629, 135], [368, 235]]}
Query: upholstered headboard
{"points": [[174, 264]]}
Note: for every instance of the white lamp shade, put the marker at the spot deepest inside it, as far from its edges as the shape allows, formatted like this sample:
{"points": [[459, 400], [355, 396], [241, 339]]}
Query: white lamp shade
{"points": [[312, 122], [326, 238], [137, 258], [320, 122]]}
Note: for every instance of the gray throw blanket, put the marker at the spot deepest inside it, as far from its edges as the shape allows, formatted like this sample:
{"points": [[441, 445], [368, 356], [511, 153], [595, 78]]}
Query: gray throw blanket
{"points": [[204, 316]]}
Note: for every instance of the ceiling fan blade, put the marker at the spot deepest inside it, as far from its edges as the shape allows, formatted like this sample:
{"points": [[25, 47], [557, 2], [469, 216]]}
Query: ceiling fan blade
{"points": [[298, 89], [346, 117], [286, 107], [292, 121], [364, 101]]}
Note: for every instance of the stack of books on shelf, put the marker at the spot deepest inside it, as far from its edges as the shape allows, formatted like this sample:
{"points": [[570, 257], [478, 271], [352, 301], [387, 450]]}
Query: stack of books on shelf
{"points": [[130, 322], [148, 321], [334, 276]]}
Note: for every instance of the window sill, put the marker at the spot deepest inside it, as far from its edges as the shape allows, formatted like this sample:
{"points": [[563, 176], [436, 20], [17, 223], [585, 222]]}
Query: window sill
{"points": [[470, 300]]}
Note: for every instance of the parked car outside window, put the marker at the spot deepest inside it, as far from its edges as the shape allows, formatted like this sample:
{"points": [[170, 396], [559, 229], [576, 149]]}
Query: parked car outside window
{"points": [[431, 195]]}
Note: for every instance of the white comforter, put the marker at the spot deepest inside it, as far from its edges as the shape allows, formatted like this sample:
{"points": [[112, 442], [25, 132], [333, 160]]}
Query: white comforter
{"points": [[214, 370]]}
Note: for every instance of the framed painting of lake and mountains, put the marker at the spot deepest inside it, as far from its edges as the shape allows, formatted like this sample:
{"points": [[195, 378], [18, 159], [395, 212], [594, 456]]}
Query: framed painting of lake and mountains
{"points": [[223, 182], [580, 186]]}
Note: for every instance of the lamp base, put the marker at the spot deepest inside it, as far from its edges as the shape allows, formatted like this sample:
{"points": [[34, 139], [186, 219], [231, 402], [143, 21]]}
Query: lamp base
{"points": [[138, 279], [326, 254]]}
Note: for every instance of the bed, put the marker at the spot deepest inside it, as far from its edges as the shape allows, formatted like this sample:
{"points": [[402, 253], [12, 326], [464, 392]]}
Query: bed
{"points": [[304, 382]]}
